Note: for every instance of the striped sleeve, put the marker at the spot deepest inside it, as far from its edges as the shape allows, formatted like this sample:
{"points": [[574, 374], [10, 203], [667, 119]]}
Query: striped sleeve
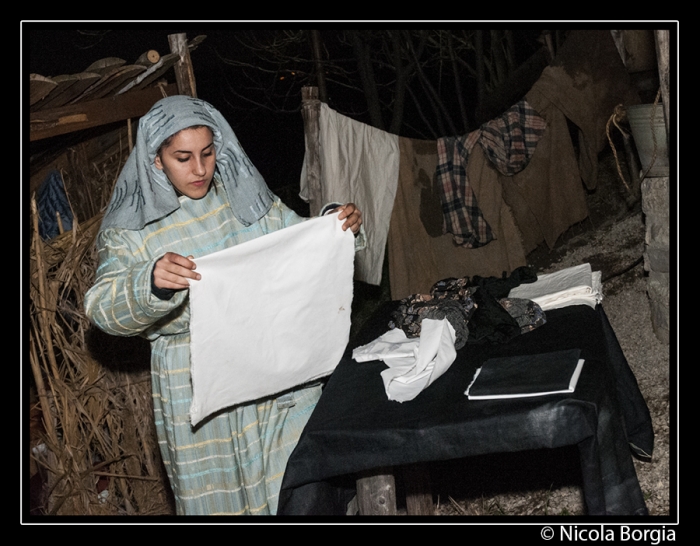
{"points": [[121, 302]]}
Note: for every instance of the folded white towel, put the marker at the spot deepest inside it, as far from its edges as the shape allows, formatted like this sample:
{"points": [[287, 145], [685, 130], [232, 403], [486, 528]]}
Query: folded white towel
{"points": [[570, 286]]}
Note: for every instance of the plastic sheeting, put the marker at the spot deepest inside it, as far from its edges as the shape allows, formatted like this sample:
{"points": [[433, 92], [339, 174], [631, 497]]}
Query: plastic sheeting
{"points": [[355, 428]]}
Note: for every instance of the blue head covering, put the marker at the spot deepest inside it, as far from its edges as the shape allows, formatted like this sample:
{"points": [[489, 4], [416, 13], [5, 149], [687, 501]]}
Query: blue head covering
{"points": [[143, 192]]}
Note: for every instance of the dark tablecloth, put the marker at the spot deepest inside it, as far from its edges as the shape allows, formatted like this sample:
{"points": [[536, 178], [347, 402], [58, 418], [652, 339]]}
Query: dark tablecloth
{"points": [[356, 428]]}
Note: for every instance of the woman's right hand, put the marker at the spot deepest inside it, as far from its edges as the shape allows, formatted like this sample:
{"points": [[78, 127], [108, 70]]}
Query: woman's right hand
{"points": [[173, 270]]}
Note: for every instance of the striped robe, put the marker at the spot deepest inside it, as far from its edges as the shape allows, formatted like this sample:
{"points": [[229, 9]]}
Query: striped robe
{"points": [[233, 462]]}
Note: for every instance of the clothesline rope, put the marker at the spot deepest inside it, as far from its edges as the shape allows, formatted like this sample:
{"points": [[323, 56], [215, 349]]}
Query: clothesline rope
{"points": [[620, 113]]}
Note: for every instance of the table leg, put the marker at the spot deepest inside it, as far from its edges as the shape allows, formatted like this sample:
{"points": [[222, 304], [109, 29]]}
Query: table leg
{"points": [[376, 492], [419, 497]]}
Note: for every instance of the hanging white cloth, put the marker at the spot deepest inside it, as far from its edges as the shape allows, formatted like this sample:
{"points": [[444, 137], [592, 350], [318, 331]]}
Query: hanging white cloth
{"points": [[270, 314], [414, 363], [359, 164]]}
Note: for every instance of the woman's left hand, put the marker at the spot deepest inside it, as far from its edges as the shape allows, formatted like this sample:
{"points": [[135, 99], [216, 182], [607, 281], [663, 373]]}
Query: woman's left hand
{"points": [[352, 216]]}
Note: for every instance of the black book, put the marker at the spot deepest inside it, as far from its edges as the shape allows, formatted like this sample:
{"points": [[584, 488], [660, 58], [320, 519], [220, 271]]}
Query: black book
{"points": [[526, 375]]}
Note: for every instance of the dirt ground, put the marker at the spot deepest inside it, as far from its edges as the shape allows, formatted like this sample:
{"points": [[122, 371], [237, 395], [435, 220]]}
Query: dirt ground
{"points": [[548, 482]]}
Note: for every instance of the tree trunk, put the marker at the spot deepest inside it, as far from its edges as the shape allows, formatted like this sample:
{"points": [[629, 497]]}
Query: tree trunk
{"points": [[480, 77], [318, 64], [364, 66], [400, 85], [458, 85]]}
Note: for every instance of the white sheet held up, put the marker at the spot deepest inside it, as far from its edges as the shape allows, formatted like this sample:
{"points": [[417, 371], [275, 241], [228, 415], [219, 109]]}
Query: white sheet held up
{"points": [[270, 314], [414, 363]]}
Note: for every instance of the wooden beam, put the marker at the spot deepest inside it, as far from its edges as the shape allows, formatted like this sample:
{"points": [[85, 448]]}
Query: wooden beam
{"points": [[75, 117], [184, 73]]}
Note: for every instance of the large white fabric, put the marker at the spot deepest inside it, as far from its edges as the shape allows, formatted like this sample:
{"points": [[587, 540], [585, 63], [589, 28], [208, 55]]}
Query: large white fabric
{"points": [[577, 285], [270, 314], [359, 164], [414, 363]]}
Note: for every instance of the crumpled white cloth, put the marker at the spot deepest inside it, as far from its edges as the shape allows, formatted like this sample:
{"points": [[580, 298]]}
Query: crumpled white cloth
{"points": [[575, 285], [359, 164], [270, 314], [414, 363]]}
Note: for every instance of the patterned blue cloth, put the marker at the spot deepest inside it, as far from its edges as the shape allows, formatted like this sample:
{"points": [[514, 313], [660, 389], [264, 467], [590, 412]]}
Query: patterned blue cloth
{"points": [[143, 193], [50, 199]]}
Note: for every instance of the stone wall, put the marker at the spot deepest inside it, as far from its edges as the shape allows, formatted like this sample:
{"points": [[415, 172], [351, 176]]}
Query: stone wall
{"points": [[656, 207]]}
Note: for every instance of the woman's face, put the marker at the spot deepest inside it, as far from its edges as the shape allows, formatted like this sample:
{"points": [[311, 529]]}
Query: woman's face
{"points": [[189, 161]]}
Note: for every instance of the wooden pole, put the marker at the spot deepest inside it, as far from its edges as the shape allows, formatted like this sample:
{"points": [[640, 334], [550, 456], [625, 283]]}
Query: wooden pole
{"points": [[310, 106], [320, 73], [149, 58], [376, 493], [419, 497], [184, 73], [662, 55]]}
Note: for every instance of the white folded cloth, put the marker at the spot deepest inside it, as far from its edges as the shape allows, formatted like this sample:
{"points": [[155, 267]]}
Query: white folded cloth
{"points": [[570, 286], [414, 363]]}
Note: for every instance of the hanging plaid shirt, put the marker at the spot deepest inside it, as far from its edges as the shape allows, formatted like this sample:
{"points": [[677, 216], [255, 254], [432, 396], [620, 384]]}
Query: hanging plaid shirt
{"points": [[509, 142]]}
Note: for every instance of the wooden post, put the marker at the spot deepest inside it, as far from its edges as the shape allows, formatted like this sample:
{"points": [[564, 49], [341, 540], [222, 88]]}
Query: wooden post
{"points": [[662, 55], [310, 106], [320, 74], [376, 493], [184, 73], [419, 497]]}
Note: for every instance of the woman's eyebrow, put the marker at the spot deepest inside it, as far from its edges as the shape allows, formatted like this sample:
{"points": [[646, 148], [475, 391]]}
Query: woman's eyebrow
{"points": [[190, 151]]}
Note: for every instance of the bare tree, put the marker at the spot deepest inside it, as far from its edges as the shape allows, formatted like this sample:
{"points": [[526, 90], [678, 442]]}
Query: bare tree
{"points": [[420, 83]]}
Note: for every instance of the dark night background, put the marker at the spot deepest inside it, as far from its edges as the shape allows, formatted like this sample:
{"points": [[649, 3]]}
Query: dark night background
{"points": [[273, 139]]}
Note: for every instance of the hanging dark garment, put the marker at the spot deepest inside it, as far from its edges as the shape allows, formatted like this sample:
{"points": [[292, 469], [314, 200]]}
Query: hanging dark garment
{"points": [[509, 142]]}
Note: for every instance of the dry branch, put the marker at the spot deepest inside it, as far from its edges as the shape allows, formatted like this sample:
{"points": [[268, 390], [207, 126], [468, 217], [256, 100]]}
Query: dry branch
{"points": [[99, 451]]}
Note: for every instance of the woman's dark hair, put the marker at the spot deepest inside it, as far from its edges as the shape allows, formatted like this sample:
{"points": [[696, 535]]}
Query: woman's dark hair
{"points": [[168, 140]]}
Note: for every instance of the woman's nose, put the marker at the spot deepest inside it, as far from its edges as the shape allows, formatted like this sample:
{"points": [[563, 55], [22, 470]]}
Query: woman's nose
{"points": [[199, 167]]}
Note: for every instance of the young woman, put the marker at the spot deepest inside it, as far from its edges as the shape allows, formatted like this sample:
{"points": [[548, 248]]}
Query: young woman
{"points": [[187, 190]]}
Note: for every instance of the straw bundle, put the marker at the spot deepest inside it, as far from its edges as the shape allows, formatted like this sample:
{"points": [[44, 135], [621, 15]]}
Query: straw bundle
{"points": [[100, 454]]}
